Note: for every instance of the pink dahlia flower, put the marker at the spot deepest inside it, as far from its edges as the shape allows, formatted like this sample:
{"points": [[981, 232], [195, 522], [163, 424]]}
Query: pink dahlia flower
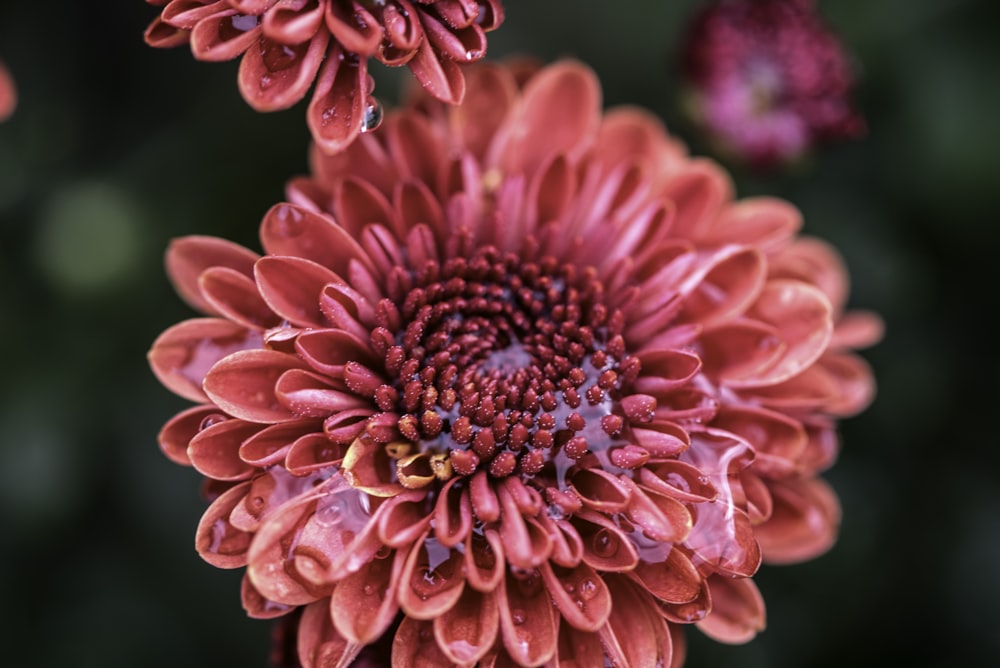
{"points": [[768, 80], [288, 44], [514, 382], [8, 93]]}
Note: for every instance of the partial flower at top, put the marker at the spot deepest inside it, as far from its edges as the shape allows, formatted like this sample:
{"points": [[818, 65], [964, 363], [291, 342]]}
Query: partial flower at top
{"points": [[8, 93], [287, 44], [767, 80], [515, 382]]}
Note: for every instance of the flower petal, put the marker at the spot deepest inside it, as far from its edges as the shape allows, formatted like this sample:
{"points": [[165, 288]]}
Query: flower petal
{"points": [[363, 604], [291, 286], [467, 631], [527, 619], [214, 451], [634, 634], [580, 595], [243, 384], [560, 112], [177, 433], [224, 36], [219, 542], [737, 610], [319, 644], [803, 523], [337, 109], [184, 354], [275, 74], [235, 296], [188, 256]]}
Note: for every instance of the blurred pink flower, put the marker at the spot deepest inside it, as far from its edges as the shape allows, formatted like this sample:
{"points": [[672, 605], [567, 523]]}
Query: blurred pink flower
{"points": [[287, 44], [514, 382], [8, 93], [768, 80]]}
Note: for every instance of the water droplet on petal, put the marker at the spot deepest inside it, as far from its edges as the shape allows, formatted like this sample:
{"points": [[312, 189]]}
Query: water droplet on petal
{"points": [[517, 616], [373, 114]]}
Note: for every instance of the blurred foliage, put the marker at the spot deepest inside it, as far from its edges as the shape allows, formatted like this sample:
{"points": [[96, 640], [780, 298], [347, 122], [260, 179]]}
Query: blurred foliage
{"points": [[116, 147]]}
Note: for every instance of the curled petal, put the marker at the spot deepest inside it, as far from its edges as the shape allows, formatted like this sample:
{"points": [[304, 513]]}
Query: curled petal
{"points": [[672, 580], [466, 632], [634, 634], [291, 230], [313, 452], [440, 77], [363, 604], [243, 384], [270, 445], [337, 109], [431, 582], [224, 36], [484, 561], [665, 370], [452, 514], [661, 518], [764, 222], [559, 113], [679, 480], [214, 451], [183, 355], [353, 27], [368, 467], [235, 296], [219, 542], [580, 595], [319, 643], [737, 610], [291, 286], [698, 192], [803, 523], [295, 22], [275, 75], [414, 646], [527, 619], [600, 490], [403, 520], [777, 439], [258, 607], [725, 285], [187, 257], [802, 318], [175, 436], [605, 546]]}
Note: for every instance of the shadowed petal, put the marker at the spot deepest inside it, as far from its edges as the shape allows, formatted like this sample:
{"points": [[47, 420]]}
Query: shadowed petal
{"points": [[180, 429], [319, 643], [737, 610], [634, 634], [803, 523], [414, 646], [219, 542]]}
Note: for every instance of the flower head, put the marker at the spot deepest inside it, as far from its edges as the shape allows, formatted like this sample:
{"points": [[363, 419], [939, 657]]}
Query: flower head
{"points": [[768, 79], [513, 380], [8, 93], [286, 45]]}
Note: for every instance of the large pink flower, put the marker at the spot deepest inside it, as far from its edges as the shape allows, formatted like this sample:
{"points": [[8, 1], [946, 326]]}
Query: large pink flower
{"points": [[769, 80], [513, 382], [288, 44]]}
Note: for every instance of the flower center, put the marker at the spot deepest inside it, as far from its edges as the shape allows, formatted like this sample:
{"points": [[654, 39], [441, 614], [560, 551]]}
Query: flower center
{"points": [[503, 364]]}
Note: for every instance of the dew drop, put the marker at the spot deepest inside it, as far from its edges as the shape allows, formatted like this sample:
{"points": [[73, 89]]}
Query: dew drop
{"points": [[373, 115], [604, 544], [517, 616], [588, 589], [368, 589], [328, 516], [211, 420]]}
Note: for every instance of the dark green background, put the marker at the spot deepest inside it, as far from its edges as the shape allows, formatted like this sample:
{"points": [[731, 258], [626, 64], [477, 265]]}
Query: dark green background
{"points": [[116, 147]]}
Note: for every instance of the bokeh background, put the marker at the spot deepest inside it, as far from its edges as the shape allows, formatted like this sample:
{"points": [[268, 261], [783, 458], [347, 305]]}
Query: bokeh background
{"points": [[116, 147]]}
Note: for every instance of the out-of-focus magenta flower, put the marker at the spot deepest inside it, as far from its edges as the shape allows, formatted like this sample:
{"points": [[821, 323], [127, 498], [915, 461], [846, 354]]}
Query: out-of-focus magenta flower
{"points": [[768, 80], [514, 382], [286, 45], [8, 93]]}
